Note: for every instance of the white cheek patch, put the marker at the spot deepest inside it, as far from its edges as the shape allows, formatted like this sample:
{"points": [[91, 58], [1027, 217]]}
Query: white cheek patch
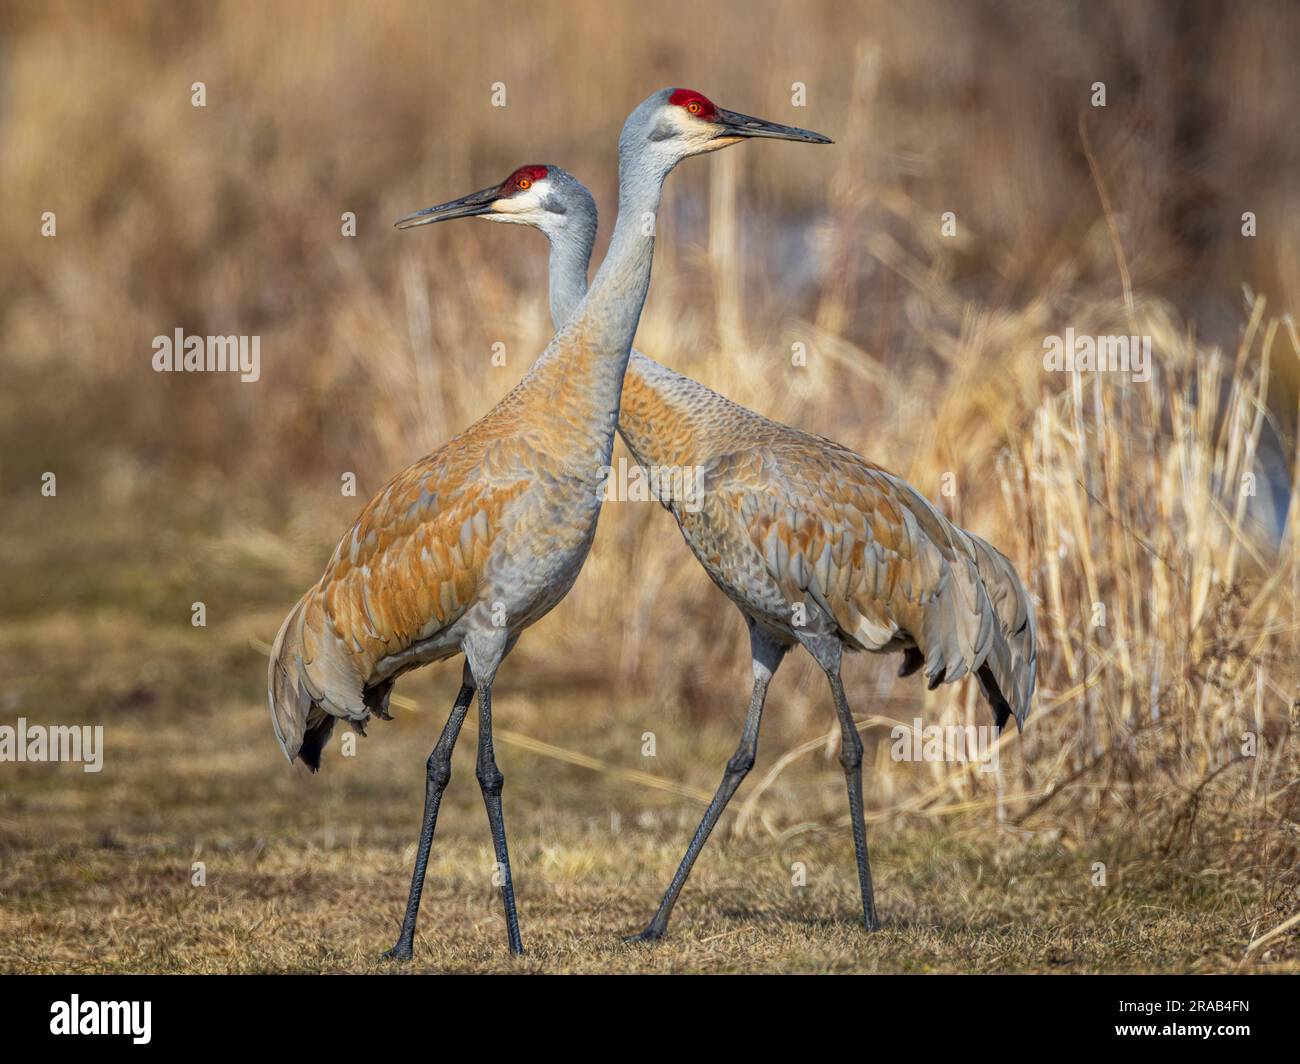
{"points": [[699, 134], [516, 204], [693, 128], [675, 124], [516, 208]]}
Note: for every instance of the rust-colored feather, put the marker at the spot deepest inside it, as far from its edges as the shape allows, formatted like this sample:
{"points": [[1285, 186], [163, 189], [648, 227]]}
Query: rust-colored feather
{"points": [[422, 551]]}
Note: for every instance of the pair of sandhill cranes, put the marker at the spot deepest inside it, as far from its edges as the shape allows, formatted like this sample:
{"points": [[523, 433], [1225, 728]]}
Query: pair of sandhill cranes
{"points": [[466, 548]]}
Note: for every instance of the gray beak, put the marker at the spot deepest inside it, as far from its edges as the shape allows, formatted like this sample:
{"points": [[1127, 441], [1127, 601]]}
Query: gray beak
{"points": [[735, 124], [466, 207]]}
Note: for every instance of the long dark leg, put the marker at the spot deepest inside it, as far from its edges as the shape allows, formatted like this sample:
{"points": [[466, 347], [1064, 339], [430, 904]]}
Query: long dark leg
{"points": [[767, 657], [491, 781], [437, 773], [851, 760]]}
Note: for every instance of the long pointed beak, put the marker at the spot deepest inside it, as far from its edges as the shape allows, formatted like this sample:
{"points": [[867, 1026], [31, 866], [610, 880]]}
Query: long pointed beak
{"points": [[466, 207], [734, 124]]}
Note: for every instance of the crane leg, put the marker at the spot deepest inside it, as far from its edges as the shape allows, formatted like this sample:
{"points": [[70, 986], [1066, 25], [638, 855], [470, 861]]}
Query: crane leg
{"points": [[851, 760], [437, 773], [767, 658], [491, 781]]}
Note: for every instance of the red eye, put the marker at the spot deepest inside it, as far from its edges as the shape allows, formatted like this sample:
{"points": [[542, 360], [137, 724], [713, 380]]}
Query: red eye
{"points": [[696, 104], [522, 179]]}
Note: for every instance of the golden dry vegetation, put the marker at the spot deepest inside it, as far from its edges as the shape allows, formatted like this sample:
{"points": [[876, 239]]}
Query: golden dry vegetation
{"points": [[1153, 522]]}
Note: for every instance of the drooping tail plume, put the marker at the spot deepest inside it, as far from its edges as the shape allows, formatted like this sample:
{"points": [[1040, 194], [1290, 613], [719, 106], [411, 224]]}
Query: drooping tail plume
{"points": [[1010, 671], [301, 669]]}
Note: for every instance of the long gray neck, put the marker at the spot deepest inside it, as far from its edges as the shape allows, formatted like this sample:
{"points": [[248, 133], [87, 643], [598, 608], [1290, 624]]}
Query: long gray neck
{"points": [[611, 309], [570, 258]]}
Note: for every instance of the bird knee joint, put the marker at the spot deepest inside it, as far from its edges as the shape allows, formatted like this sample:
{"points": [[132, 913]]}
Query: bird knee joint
{"points": [[851, 757], [741, 762], [439, 770], [491, 780]]}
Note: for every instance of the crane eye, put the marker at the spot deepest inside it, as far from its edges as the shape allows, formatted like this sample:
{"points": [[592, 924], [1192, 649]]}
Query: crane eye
{"points": [[694, 107], [525, 182]]}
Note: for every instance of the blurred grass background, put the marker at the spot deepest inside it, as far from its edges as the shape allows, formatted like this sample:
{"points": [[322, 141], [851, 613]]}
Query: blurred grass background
{"points": [[925, 354]]}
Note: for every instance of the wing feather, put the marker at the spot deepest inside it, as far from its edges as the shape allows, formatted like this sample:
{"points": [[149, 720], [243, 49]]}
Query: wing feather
{"points": [[886, 567]]}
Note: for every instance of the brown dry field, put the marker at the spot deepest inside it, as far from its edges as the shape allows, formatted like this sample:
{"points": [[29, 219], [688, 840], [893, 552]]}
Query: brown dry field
{"points": [[1154, 523], [309, 873]]}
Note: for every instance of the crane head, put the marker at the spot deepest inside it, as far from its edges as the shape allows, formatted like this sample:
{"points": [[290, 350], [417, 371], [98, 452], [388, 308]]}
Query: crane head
{"points": [[525, 197], [676, 123]]}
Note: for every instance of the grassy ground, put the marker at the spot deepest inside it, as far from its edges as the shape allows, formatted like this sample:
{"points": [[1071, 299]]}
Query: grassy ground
{"points": [[1154, 522], [310, 874]]}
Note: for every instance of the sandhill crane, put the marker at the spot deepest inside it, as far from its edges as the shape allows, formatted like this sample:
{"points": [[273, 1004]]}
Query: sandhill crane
{"points": [[463, 550], [796, 526]]}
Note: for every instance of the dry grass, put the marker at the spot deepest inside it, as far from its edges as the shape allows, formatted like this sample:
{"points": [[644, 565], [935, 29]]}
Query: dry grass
{"points": [[925, 355], [309, 873]]}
